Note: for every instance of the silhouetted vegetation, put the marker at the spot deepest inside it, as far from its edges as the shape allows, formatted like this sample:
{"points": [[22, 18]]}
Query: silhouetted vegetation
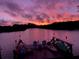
{"points": [[55, 26], [16, 27], [13, 28], [63, 26]]}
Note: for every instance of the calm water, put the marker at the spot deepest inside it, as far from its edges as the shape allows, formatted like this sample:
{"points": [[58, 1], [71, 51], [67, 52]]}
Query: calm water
{"points": [[7, 40]]}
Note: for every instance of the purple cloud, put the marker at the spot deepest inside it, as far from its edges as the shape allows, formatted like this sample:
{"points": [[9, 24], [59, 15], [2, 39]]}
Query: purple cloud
{"points": [[13, 7], [39, 9], [10, 12]]}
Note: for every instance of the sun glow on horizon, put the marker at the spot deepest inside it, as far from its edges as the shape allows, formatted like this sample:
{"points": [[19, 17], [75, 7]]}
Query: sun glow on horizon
{"points": [[39, 12]]}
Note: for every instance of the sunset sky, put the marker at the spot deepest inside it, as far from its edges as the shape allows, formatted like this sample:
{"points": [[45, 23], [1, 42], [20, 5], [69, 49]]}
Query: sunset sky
{"points": [[38, 11]]}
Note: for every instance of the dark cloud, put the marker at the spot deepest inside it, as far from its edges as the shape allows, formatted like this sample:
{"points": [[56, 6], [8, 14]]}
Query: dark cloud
{"points": [[39, 17], [37, 8], [46, 3], [77, 8], [51, 4], [75, 1], [13, 7], [10, 12], [42, 16], [27, 16]]}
